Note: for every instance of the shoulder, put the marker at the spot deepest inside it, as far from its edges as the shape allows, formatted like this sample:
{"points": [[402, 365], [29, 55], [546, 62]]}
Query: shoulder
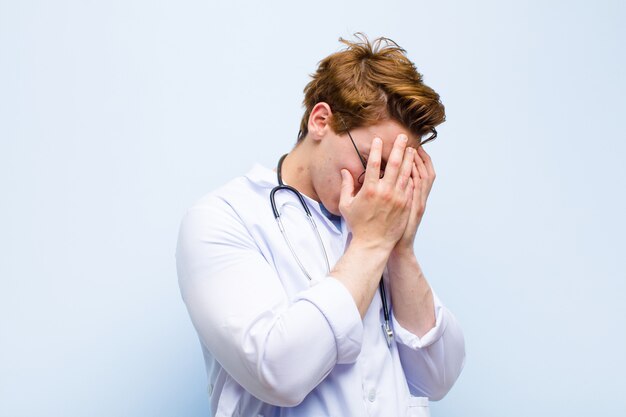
{"points": [[238, 203], [241, 194]]}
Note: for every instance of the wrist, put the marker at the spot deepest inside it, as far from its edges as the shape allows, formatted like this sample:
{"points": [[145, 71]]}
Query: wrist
{"points": [[400, 260], [360, 269], [376, 251], [372, 247], [402, 253]]}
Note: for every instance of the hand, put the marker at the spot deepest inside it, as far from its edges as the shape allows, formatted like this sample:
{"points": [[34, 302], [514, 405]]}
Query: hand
{"points": [[423, 176], [379, 212]]}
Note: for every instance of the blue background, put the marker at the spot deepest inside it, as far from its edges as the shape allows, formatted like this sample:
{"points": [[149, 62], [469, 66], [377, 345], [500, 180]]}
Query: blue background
{"points": [[115, 116]]}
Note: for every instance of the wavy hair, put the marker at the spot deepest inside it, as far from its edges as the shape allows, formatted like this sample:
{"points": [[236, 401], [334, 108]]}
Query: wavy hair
{"points": [[368, 82]]}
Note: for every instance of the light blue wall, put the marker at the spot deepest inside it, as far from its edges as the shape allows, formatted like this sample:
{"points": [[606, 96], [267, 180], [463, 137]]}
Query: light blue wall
{"points": [[116, 115]]}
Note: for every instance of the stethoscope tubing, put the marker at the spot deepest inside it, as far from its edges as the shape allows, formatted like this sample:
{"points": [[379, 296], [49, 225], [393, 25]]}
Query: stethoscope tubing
{"points": [[388, 333]]}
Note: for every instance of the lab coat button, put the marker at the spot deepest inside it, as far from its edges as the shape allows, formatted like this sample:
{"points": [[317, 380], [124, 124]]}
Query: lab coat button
{"points": [[372, 395]]}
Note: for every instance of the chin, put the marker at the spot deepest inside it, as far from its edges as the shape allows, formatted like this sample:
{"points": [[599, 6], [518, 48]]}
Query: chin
{"points": [[330, 202], [333, 208]]}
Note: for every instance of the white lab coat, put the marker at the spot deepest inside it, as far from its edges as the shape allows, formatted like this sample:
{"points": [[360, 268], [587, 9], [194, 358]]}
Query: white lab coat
{"points": [[277, 344]]}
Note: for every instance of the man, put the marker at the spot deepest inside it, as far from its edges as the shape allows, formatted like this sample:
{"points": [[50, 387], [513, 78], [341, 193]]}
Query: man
{"points": [[290, 315]]}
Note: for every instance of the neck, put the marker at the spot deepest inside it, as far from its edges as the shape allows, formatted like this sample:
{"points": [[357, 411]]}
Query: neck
{"points": [[297, 170]]}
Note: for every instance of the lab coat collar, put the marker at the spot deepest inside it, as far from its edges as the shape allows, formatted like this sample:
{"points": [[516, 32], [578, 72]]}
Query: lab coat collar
{"points": [[262, 176], [266, 178]]}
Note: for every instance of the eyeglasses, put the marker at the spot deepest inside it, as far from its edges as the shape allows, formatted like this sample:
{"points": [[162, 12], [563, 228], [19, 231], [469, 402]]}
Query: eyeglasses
{"points": [[429, 137]]}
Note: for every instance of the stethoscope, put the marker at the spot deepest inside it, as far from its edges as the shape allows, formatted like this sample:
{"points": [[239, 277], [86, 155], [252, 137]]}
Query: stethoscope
{"points": [[388, 333]]}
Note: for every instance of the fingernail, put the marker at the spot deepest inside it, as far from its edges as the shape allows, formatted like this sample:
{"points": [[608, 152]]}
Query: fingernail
{"points": [[404, 138], [377, 141]]}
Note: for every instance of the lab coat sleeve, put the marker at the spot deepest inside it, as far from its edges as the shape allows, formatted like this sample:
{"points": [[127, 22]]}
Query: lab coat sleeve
{"points": [[276, 348], [432, 363]]}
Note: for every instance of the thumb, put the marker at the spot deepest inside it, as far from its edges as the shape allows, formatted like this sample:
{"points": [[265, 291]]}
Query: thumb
{"points": [[347, 186]]}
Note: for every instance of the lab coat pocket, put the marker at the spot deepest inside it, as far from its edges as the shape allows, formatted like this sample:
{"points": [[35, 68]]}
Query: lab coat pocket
{"points": [[418, 407]]}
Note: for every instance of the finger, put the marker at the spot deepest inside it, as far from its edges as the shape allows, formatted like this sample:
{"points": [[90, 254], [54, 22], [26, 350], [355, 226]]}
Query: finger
{"points": [[421, 167], [395, 159], [421, 191], [426, 174], [410, 194], [427, 161], [406, 168], [372, 172], [417, 181], [347, 186]]}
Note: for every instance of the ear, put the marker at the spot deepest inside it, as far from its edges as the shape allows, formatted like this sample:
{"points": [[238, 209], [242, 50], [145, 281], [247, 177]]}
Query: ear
{"points": [[319, 120]]}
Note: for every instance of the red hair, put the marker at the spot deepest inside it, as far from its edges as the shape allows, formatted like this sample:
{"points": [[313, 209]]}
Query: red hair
{"points": [[369, 82]]}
